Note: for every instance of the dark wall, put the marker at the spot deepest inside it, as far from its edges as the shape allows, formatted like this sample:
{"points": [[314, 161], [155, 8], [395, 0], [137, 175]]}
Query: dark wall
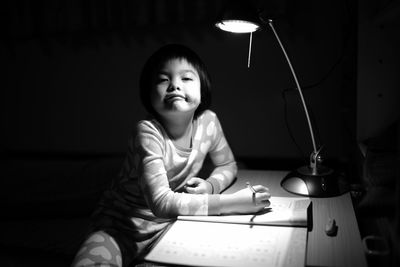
{"points": [[378, 96], [71, 73]]}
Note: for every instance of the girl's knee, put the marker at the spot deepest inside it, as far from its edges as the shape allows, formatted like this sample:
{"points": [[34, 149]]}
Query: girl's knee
{"points": [[100, 249]]}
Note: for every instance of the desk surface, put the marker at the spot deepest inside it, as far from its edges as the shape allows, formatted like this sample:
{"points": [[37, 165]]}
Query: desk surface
{"points": [[344, 249]]}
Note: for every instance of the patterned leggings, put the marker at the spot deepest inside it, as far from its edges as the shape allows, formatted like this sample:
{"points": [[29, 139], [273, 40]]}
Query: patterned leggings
{"points": [[100, 249]]}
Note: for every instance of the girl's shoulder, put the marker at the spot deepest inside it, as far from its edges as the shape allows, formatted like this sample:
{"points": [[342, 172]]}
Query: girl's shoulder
{"points": [[145, 124], [206, 116], [149, 126], [208, 122]]}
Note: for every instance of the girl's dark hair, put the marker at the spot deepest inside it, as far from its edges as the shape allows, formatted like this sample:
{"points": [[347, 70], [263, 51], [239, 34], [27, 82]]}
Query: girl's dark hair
{"points": [[163, 55]]}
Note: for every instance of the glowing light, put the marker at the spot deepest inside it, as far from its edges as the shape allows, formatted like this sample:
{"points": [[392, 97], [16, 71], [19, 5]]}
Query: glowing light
{"points": [[238, 26]]}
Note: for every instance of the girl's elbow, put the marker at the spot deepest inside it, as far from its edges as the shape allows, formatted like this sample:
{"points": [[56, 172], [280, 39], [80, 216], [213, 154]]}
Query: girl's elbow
{"points": [[233, 168], [161, 210]]}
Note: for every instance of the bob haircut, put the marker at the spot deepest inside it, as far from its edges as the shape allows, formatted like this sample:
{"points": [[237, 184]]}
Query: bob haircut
{"points": [[160, 57]]}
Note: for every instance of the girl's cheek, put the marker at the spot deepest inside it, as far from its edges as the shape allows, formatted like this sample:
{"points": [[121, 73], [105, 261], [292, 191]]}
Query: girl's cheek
{"points": [[157, 92]]}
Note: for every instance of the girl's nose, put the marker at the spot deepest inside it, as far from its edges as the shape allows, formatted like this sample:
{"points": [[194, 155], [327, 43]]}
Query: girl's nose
{"points": [[175, 85]]}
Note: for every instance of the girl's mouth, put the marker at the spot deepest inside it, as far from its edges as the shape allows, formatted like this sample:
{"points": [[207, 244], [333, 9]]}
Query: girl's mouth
{"points": [[174, 97]]}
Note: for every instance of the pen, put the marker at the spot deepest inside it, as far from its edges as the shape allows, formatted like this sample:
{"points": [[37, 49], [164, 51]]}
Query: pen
{"points": [[250, 187], [254, 192]]}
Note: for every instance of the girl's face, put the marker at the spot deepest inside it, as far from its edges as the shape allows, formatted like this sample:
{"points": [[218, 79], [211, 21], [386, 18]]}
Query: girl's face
{"points": [[176, 88]]}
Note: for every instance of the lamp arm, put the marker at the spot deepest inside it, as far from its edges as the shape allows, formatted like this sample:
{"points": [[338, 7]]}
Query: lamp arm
{"points": [[315, 152]]}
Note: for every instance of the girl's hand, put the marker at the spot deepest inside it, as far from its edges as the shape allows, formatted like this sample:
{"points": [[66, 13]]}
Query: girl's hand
{"points": [[245, 201], [197, 185]]}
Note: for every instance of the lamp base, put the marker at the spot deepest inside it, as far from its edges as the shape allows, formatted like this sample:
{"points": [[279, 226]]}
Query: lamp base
{"points": [[324, 183]]}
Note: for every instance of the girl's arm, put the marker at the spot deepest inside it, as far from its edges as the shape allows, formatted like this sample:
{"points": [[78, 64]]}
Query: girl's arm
{"points": [[243, 201], [155, 185], [164, 202], [222, 157]]}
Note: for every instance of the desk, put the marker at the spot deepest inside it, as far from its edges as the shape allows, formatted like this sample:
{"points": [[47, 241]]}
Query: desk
{"points": [[344, 249]]}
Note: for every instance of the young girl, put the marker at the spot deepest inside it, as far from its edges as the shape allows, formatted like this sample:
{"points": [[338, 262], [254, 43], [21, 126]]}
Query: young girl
{"points": [[158, 180]]}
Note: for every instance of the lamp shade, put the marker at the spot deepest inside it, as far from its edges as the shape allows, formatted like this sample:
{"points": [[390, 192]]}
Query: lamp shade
{"points": [[239, 17]]}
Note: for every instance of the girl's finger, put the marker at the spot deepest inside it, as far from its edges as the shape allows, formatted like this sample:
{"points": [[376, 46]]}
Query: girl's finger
{"points": [[190, 190], [193, 181], [261, 198], [264, 195], [260, 188], [265, 203]]}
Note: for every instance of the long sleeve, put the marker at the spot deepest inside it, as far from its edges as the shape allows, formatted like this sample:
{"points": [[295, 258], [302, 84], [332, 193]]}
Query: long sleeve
{"points": [[222, 157], [148, 194], [156, 161], [155, 170]]}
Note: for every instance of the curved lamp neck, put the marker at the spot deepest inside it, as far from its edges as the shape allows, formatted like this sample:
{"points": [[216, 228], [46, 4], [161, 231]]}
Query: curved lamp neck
{"points": [[315, 151]]}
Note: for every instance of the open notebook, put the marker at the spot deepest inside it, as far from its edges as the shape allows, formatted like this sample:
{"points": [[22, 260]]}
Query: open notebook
{"points": [[277, 237], [284, 211]]}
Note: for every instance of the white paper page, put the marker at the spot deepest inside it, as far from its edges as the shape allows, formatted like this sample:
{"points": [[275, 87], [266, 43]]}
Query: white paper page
{"points": [[282, 211], [194, 243]]}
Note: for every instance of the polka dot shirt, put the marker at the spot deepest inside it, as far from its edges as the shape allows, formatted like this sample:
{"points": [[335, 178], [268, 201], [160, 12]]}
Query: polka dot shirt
{"points": [[149, 193], [160, 169]]}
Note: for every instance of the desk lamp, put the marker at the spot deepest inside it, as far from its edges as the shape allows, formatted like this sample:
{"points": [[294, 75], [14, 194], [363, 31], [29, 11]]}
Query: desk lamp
{"points": [[314, 180]]}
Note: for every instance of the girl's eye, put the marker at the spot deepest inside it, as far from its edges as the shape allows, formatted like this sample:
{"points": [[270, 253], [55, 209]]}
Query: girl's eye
{"points": [[162, 79], [187, 79]]}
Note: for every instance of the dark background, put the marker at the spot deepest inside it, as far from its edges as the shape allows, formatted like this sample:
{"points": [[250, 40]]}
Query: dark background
{"points": [[69, 101], [72, 68]]}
